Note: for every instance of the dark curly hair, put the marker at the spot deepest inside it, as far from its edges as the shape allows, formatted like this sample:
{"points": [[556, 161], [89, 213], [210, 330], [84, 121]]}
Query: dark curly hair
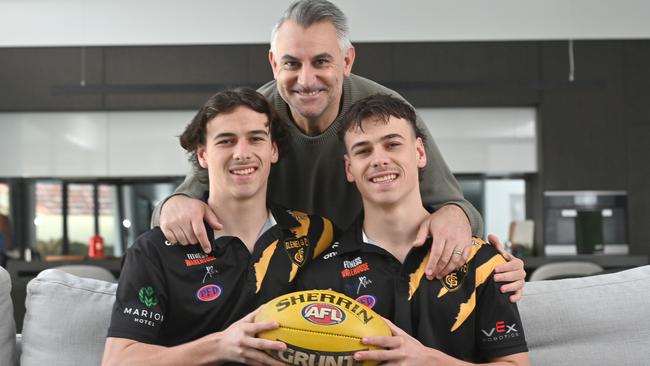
{"points": [[224, 102]]}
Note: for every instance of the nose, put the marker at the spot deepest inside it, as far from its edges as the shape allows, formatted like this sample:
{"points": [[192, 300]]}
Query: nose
{"points": [[307, 76], [379, 158], [242, 151]]}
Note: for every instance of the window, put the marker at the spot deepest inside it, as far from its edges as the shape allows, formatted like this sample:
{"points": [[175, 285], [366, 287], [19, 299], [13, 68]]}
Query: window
{"points": [[67, 214], [48, 219]]}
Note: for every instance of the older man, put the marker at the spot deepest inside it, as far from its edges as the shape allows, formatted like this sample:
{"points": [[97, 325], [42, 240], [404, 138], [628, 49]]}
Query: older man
{"points": [[311, 56]]}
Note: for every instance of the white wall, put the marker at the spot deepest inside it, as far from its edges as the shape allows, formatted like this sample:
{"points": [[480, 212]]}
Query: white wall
{"points": [[92, 144], [485, 140], [140, 144], [147, 22]]}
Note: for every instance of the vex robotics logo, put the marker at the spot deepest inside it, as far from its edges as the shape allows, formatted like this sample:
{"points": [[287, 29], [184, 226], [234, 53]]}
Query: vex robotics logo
{"points": [[323, 314], [208, 293], [501, 331], [147, 296], [296, 249]]}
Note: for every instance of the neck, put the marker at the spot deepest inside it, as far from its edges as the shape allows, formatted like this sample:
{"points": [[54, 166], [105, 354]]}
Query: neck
{"points": [[240, 218], [394, 227]]}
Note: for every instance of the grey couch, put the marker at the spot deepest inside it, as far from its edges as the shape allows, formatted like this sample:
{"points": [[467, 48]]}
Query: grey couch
{"points": [[598, 320]]}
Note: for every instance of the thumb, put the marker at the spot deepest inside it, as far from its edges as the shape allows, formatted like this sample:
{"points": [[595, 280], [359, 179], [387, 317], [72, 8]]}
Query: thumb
{"points": [[423, 232], [212, 219]]}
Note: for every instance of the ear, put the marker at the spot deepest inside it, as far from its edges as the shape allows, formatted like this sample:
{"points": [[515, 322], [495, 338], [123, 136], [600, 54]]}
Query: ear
{"points": [[348, 59], [421, 153], [275, 155], [201, 156], [348, 174], [274, 64]]}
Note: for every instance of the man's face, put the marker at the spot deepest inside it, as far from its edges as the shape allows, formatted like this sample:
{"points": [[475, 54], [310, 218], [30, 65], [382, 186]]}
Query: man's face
{"points": [[383, 160], [309, 68], [238, 154]]}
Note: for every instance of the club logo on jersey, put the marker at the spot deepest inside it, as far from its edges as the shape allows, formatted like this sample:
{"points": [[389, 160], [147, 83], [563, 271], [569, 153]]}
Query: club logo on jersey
{"points": [[147, 296], [354, 267], [296, 249], [367, 300], [196, 259], [454, 280], [323, 314], [208, 293]]}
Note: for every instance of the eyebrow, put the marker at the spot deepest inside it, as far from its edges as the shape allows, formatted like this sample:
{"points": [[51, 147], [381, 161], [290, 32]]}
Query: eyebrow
{"points": [[390, 136], [323, 55], [249, 133]]}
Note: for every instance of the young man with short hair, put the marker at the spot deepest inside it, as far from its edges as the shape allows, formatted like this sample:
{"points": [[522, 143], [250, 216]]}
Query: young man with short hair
{"points": [[462, 316], [177, 305]]}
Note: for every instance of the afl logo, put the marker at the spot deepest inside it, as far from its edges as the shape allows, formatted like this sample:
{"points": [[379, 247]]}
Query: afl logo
{"points": [[208, 292], [367, 300], [323, 314]]}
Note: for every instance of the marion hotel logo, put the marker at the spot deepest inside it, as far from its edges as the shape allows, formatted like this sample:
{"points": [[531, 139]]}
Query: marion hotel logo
{"points": [[147, 297]]}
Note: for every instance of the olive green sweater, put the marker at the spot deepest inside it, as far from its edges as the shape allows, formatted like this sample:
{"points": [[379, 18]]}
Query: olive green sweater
{"points": [[310, 175]]}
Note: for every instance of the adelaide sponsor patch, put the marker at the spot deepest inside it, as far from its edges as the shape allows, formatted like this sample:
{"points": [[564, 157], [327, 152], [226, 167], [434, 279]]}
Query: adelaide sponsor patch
{"points": [[367, 300], [208, 292]]}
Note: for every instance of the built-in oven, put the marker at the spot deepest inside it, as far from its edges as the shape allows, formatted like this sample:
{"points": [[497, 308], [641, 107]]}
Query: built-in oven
{"points": [[585, 222]]}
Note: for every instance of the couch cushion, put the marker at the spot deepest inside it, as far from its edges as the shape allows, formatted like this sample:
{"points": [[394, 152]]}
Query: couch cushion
{"points": [[66, 319], [7, 324], [597, 320]]}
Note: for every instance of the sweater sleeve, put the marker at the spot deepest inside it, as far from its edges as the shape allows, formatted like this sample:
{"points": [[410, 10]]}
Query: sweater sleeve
{"points": [[192, 187]]}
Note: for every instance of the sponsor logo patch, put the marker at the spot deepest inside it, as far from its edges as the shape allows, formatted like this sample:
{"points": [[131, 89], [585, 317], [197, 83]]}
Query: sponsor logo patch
{"points": [[296, 248], [208, 293], [354, 267], [501, 331], [367, 300], [147, 296], [323, 314], [197, 259], [454, 280]]}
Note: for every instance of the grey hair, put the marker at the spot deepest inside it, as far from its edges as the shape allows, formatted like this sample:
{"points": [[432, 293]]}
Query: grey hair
{"points": [[308, 12]]}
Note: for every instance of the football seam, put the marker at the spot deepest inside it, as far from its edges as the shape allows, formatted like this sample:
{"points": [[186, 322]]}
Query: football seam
{"points": [[324, 333]]}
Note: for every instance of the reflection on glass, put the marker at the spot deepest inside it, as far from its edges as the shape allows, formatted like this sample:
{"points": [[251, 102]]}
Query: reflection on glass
{"points": [[49, 220], [108, 216], [81, 219], [4, 199]]}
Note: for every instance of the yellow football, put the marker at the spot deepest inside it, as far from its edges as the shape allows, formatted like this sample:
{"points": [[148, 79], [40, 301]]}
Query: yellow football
{"points": [[320, 327]]}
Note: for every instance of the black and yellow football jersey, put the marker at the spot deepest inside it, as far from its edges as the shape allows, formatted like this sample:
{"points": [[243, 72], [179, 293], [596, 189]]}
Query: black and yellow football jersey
{"points": [[463, 314], [171, 294]]}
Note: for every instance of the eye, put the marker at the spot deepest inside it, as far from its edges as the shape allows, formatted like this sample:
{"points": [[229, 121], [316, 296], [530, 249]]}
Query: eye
{"points": [[224, 142], [321, 62], [393, 144], [257, 139], [361, 151], [290, 65]]}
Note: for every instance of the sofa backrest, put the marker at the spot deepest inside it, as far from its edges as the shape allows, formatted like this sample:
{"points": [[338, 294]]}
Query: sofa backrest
{"points": [[66, 319], [597, 320], [7, 324]]}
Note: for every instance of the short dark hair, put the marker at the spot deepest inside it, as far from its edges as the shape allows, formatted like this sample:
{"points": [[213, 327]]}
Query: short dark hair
{"points": [[379, 107], [223, 102]]}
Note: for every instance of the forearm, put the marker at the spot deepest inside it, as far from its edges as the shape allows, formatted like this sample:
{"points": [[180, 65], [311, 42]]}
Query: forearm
{"points": [[121, 351], [192, 187], [436, 357]]}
